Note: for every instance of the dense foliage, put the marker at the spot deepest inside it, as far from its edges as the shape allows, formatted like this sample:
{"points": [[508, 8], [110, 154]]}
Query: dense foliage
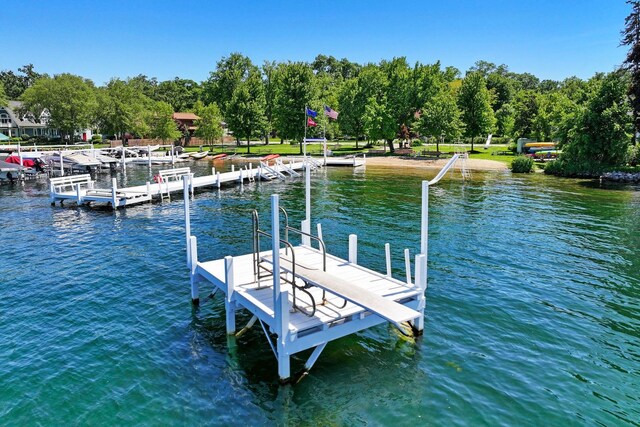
{"points": [[391, 101], [522, 164]]}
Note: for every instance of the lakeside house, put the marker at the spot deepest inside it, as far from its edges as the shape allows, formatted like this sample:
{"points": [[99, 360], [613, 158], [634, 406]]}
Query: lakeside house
{"points": [[15, 123]]}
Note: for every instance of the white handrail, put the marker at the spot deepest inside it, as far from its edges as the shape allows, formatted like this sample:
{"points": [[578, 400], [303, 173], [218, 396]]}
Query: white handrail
{"points": [[444, 170]]}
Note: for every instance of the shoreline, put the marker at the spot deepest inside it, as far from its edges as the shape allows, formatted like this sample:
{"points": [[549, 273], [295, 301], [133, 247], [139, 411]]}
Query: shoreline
{"points": [[396, 162]]}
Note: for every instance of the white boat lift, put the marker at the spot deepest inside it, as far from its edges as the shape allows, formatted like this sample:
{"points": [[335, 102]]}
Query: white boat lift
{"points": [[305, 296]]}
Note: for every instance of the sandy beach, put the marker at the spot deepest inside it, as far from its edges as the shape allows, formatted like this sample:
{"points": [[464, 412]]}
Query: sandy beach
{"points": [[472, 164]]}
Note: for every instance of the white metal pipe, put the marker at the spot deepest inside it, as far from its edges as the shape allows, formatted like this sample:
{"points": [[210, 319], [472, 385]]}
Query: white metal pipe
{"points": [[195, 293], [308, 193], [319, 231], [61, 164], [187, 217], [230, 305], [407, 265], [275, 242], [353, 249], [149, 156], [173, 156], [114, 186], [387, 252]]}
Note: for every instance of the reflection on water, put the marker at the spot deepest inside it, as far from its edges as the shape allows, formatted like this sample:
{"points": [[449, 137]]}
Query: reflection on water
{"points": [[531, 308]]}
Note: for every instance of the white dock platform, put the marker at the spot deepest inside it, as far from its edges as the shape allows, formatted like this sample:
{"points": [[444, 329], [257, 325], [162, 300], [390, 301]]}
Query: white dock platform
{"points": [[391, 299], [81, 188], [304, 295]]}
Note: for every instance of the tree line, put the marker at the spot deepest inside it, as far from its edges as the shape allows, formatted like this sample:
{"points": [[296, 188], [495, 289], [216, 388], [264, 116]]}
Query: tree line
{"points": [[385, 101]]}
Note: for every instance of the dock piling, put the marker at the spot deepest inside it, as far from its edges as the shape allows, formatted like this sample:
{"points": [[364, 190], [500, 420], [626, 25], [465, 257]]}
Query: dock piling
{"points": [[114, 199], [229, 303], [193, 250], [353, 249], [407, 265], [387, 252]]}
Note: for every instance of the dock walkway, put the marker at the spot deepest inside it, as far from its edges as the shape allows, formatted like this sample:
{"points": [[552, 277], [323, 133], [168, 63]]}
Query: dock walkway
{"points": [[81, 188]]}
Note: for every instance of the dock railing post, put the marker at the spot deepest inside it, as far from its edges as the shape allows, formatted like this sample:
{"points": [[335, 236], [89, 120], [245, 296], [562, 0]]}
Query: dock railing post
{"points": [[218, 179], [193, 249], [421, 278], [353, 249], [187, 216], [319, 226], [78, 194], [173, 157], [114, 189], [149, 156], [407, 265], [424, 229], [387, 253], [306, 224], [61, 163], [280, 299], [229, 302]]}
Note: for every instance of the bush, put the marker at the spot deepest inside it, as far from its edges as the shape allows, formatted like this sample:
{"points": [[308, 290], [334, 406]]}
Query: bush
{"points": [[96, 138], [25, 137], [513, 147], [416, 143], [16, 139], [522, 164]]}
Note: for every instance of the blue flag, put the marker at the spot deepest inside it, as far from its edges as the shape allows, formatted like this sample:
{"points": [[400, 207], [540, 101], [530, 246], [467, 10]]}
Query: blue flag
{"points": [[311, 113]]}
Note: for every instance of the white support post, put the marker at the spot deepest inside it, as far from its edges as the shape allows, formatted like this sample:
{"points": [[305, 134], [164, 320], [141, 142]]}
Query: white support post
{"points": [[195, 292], [407, 265], [275, 242], [424, 231], [191, 183], [319, 230], [284, 365], [306, 224], [148, 156], [148, 189], [421, 274], [213, 171], [353, 248], [218, 179], [78, 194], [233, 168], [114, 188], [187, 216], [61, 163], [173, 156], [229, 302], [387, 252]]}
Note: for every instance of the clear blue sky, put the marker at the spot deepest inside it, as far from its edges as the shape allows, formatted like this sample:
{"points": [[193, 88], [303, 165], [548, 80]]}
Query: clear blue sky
{"points": [[118, 38]]}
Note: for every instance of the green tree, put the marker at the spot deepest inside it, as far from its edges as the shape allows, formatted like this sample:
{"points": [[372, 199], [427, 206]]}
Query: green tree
{"points": [[182, 94], [600, 135], [70, 100], [16, 83], [398, 94], [505, 120], [161, 123], [294, 90], [474, 100], [246, 111], [269, 73], [631, 38], [221, 85], [210, 123], [122, 107], [441, 116], [4, 101], [379, 123], [526, 105]]}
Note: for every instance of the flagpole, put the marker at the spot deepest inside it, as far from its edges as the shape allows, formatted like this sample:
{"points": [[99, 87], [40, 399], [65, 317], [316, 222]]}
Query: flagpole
{"points": [[324, 136], [304, 141]]}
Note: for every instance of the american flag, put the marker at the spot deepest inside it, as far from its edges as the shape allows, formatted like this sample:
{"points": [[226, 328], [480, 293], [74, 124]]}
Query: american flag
{"points": [[330, 113]]}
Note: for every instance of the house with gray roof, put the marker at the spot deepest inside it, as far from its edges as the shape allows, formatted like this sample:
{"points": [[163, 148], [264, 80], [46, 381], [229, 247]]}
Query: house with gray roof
{"points": [[15, 122]]}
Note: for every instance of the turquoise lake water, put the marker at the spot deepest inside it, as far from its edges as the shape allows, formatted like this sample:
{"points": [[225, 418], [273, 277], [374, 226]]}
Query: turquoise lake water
{"points": [[533, 308]]}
